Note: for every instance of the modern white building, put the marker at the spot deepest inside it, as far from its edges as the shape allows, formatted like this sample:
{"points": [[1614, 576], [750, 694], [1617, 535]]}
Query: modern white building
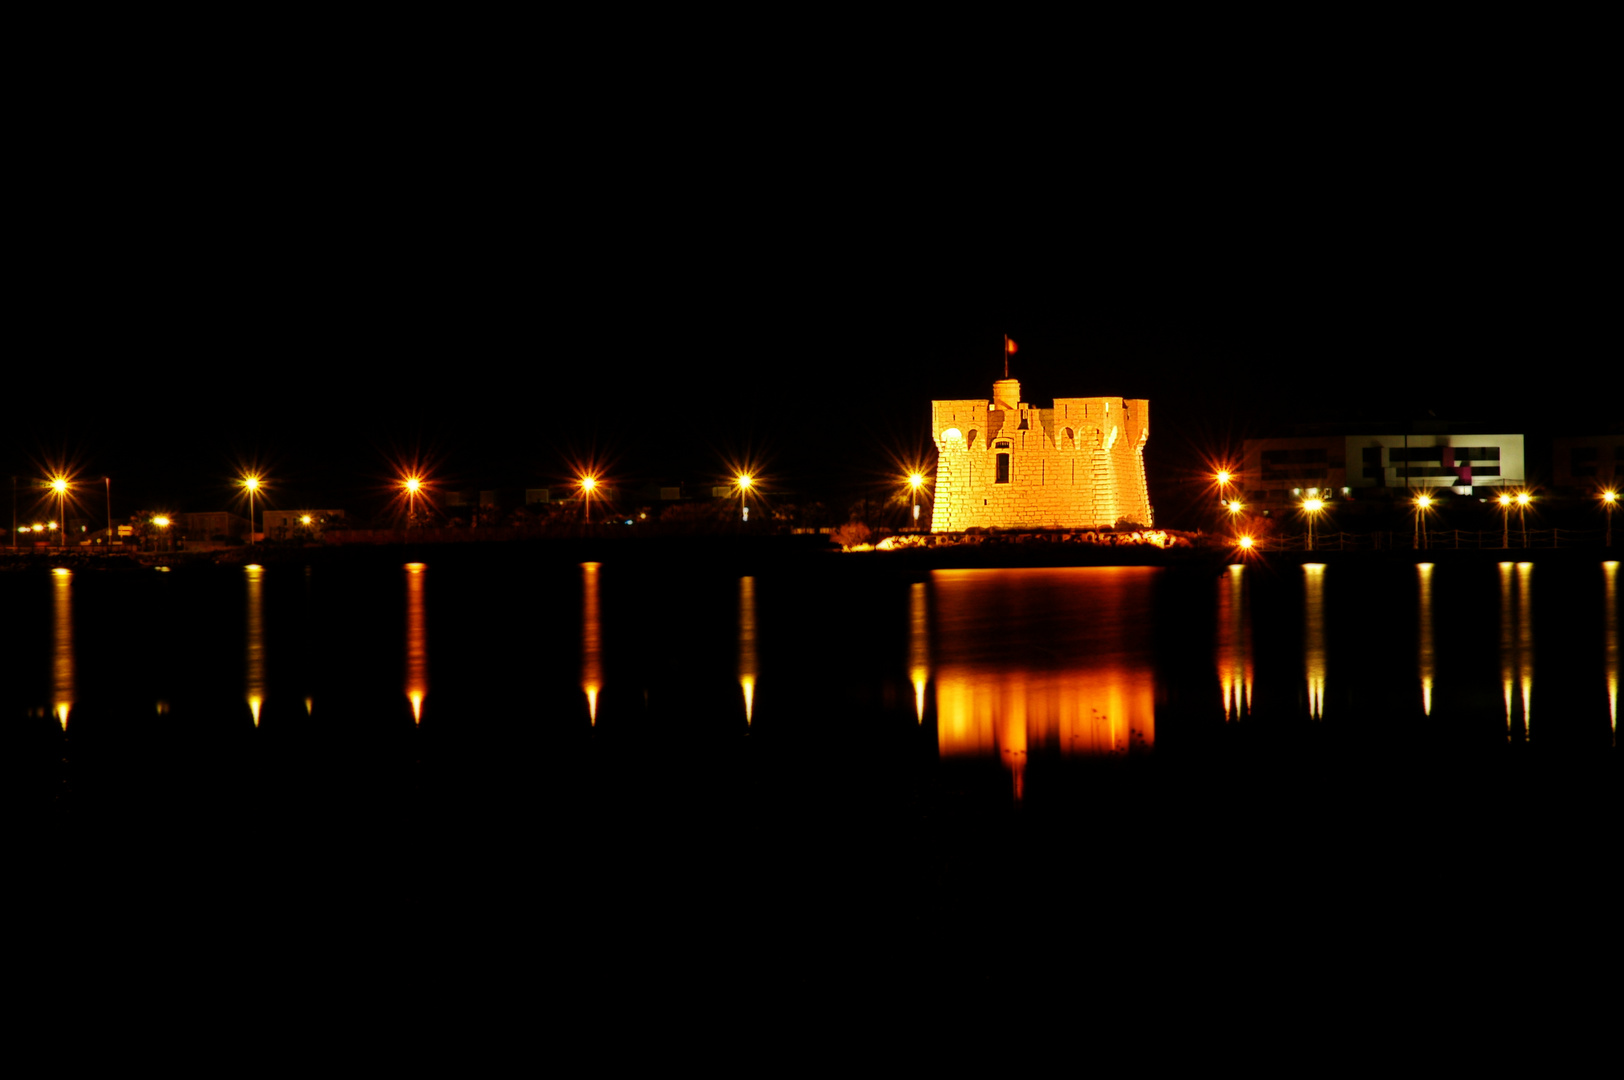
{"points": [[1279, 470]]}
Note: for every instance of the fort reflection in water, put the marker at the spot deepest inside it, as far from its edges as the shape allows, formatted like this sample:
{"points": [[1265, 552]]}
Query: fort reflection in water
{"points": [[1033, 661]]}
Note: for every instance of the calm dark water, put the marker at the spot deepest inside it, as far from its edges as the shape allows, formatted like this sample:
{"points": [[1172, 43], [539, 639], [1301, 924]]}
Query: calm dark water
{"points": [[839, 697]]}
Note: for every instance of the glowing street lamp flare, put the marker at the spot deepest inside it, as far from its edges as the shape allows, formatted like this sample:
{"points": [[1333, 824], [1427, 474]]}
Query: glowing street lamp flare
{"points": [[1422, 503], [60, 486], [251, 483], [413, 486], [1312, 506], [744, 481]]}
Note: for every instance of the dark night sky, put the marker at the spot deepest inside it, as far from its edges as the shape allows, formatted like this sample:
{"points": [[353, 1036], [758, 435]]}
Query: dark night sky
{"points": [[325, 283]]}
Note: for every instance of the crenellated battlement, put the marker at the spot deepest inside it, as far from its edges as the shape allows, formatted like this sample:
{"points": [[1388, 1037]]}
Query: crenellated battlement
{"points": [[1003, 463]]}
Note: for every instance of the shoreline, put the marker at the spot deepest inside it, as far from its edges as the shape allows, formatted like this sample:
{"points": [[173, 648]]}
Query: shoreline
{"points": [[753, 554]]}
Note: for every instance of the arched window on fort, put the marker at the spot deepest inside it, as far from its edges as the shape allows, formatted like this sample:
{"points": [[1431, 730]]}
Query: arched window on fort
{"points": [[1002, 475], [1068, 441], [970, 441]]}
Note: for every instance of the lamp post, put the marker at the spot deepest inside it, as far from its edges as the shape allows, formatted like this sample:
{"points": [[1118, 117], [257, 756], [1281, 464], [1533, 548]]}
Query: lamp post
{"points": [[59, 484], [413, 486], [1312, 506], [589, 484], [252, 484], [915, 482], [1608, 499], [107, 548], [162, 524], [1523, 499], [1223, 478], [1422, 504], [744, 481], [1505, 520]]}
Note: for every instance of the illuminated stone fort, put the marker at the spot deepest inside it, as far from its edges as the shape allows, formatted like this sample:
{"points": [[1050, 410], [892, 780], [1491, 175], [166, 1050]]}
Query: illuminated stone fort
{"points": [[1003, 463]]}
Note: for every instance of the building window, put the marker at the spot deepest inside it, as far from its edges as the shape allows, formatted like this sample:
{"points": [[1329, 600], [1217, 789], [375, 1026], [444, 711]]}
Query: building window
{"points": [[1003, 469]]}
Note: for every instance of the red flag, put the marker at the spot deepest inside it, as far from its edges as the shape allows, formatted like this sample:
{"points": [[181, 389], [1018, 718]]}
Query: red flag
{"points": [[1009, 344]]}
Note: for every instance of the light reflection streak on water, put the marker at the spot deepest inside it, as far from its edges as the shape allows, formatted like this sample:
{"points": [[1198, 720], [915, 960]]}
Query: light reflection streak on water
{"points": [[1525, 640], [256, 641], [918, 645], [1508, 657], [1234, 644], [1043, 660], [62, 675], [417, 650], [1516, 643], [591, 640], [1424, 572], [1609, 570], [747, 644], [1314, 636]]}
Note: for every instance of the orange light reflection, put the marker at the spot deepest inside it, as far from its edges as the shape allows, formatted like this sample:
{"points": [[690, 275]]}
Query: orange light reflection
{"points": [[591, 640], [62, 673], [1525, 642], [919, 645], [256, 641], [417, 653], [1424, 572], [1234, 644], [1314, 637], [1610, 571], [747, 644], [1508, 653]]}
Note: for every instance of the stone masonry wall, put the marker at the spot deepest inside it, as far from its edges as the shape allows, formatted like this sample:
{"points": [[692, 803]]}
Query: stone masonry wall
{"points": [[1080, 464]]}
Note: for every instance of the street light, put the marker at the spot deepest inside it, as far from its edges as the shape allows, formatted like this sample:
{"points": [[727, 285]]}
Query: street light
{"points": [[915, 482], [162, 523], [1608, 499], [59, 484], [744, 480], [251, 482], [414, 487], [1505, 520], [1523, 499], [1224, 478], [1423, 503], [589, 484], [1312, 506]]}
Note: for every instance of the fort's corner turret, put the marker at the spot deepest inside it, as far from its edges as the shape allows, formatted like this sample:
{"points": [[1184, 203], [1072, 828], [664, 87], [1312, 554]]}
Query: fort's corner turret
{"points": [[1080, 464]]}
